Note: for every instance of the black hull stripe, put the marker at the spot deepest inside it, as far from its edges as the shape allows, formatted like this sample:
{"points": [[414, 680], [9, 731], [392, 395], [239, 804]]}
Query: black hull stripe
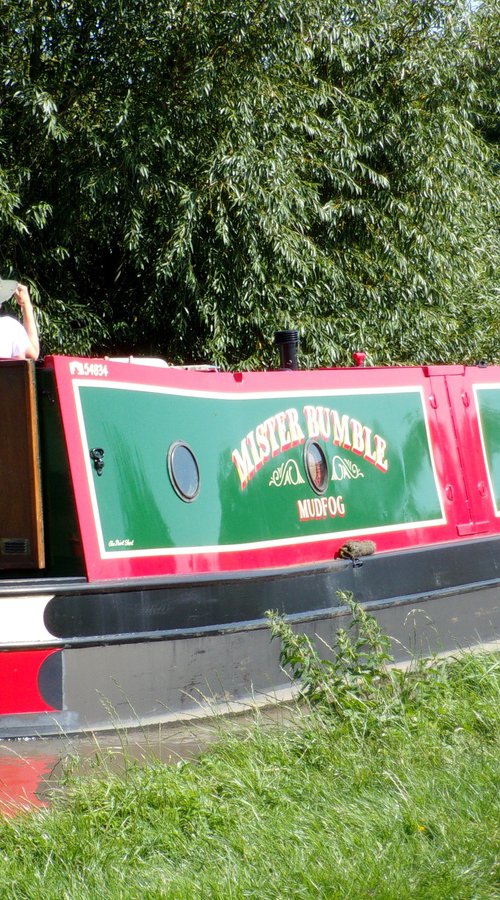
{"points": [[170, 610]]}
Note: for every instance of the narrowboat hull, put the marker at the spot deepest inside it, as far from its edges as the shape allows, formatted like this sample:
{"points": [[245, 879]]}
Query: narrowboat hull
{"points": [[135, 576]]}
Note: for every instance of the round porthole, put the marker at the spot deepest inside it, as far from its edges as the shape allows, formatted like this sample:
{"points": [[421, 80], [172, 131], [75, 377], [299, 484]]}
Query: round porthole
{"points": [[316, 466], [183, 471]]}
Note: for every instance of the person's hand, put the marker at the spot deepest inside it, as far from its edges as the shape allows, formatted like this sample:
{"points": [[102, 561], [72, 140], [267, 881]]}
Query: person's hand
{"points": [[22, 295]]}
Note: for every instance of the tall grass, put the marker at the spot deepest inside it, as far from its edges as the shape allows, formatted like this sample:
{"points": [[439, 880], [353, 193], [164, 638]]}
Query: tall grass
{"points": [[386, 787]]}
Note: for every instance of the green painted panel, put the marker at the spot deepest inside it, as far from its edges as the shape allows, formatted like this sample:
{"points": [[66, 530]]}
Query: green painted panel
{"points": [[488, 404], [244, 496]]}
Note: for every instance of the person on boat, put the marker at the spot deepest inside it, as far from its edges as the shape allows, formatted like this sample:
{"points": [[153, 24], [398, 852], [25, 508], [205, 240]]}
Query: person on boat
{"points": [[20, 341]]}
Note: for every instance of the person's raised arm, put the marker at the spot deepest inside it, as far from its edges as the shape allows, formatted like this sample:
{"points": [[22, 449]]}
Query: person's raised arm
{"points": [[23, 298]]}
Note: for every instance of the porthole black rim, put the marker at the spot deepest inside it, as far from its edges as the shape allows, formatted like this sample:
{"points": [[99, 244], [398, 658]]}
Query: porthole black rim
{"points": [[188, 498], [313, 443]]}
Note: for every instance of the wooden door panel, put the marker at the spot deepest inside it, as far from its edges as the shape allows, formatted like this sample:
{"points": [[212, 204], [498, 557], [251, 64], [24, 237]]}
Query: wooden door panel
{"points": [[21, 520]]}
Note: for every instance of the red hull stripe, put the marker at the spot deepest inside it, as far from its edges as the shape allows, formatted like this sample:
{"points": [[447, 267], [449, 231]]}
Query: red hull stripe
{"points": [[19, 681]]}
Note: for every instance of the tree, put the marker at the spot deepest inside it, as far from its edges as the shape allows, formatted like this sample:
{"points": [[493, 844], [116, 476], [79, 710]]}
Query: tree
{"points": [[185, 178]]}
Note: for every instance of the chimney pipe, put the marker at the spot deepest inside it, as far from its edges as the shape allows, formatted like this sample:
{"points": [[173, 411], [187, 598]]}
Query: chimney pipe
{"points": [[287, 343]]}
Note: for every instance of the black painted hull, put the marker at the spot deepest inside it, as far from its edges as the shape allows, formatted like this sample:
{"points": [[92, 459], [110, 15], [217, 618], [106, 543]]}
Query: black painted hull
{"points": [[132, 654]]}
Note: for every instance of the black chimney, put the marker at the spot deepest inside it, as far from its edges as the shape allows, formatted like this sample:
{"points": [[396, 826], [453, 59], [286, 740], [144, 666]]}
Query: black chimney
{"points": [[287, 343]]}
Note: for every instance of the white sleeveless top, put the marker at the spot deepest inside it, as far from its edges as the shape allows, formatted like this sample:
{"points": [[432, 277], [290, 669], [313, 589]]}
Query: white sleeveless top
{"points": [[13, 338]]}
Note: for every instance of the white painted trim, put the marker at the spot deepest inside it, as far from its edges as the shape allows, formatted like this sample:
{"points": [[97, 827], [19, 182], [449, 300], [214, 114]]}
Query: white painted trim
{"points": [[21, 621], [280, 542], [106, 554], [241, 394]]}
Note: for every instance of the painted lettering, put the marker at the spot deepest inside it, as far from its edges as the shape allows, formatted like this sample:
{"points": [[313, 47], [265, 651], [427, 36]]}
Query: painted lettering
{"points": [[281, 432], [244, 466], [316, 508], [358, 437], [271, 430], [368, 452], [312, 424], [341, 436], [297, 436], [257, 458], [275, 435], [324, 422], [380, 448], [263, 442]]}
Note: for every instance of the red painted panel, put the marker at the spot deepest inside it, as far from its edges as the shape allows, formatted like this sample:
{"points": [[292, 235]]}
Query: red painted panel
{"points": [[465, 417], [447, 451], [19, 692], [454, 435]]}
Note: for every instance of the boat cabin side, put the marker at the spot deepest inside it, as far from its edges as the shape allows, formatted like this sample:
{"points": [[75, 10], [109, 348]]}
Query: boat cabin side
{"points": [[114, 471]]}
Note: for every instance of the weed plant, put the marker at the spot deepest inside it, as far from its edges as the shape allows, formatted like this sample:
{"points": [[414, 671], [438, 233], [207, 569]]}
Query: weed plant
{"points": [[383, 783], [356, 683]]}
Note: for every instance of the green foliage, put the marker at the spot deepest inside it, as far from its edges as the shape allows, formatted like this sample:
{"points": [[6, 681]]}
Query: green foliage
{"points": [[353, 682], [306, 808], [356, 684], [185, 178], [485, 29]]}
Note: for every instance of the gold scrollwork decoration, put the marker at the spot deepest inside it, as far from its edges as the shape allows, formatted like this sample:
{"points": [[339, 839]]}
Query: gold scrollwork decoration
{"points": [[287, 473], [343, 468]]}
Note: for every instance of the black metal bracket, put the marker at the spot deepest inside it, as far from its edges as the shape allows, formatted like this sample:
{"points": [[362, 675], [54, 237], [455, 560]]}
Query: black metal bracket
{"points": [[96, 455]]}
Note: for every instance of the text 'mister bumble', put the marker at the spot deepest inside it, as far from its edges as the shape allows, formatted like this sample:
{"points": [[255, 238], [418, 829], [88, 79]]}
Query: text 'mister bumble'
{"points": [[283, 430]]}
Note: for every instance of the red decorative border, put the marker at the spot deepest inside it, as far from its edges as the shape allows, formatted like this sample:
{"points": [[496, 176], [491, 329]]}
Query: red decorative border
{"points": [[453, 427]]}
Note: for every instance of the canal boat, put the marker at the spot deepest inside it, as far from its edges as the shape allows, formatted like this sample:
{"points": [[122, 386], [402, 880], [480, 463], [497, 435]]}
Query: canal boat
{"points": [[151, 514]]}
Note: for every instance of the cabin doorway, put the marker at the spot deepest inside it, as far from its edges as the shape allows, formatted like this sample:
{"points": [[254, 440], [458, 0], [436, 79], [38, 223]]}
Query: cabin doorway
{"points": [[21, 519]]}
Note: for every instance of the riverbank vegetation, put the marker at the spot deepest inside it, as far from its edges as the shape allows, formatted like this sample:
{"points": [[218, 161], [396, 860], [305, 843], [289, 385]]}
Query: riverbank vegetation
{"points": [[382, 783], [184, 178]]}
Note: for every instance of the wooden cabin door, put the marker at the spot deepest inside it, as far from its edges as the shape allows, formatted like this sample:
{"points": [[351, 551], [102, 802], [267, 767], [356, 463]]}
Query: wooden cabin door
{"points": [[21, 521]]}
